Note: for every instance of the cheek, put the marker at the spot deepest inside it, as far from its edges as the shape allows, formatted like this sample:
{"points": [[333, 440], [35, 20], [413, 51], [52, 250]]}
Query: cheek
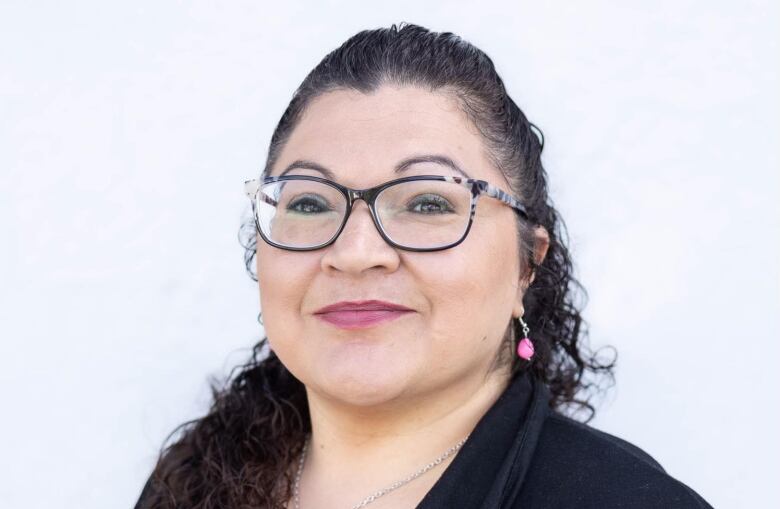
{"points": [[283, 279], [471, 290]]}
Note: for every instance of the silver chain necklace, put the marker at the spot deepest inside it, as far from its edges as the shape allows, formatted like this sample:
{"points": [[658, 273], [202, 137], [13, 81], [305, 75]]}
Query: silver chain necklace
{"points": [[381, 492]]}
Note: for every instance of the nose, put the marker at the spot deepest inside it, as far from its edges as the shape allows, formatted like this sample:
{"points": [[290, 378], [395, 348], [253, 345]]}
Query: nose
{"points": [[360, 247]]}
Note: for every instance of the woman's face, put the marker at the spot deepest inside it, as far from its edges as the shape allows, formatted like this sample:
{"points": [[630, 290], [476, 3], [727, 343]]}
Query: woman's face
{"points": [[462, 299]]}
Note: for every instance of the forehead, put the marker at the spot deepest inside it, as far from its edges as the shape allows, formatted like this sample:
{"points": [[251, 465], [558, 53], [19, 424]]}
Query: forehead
{"points": [[361, 137]]}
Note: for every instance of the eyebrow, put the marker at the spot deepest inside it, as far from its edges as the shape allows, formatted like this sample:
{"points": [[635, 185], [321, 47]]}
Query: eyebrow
{"points": [[402, 165]]}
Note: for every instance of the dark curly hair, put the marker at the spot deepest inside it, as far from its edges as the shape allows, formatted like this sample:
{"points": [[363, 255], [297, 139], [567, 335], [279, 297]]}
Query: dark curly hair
{"points": [[241, 453]]}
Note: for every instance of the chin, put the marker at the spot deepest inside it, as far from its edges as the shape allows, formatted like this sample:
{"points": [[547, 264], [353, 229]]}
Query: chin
{"points": [[362, 395], [364, 380]]}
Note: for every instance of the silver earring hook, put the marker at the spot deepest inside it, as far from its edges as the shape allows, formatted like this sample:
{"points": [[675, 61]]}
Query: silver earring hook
{"points": [[526, 330]]}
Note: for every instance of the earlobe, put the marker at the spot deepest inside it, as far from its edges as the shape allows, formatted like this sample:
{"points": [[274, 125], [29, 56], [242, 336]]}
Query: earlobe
{"points": [[518, 309]]}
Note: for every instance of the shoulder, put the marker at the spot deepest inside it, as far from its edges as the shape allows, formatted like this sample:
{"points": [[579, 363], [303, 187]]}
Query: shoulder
{"points": [[581, 466]]}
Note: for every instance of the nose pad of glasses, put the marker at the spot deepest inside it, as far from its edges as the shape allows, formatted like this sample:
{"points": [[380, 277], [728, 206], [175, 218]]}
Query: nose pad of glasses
{"points": [[360, 203], [357, 204]]}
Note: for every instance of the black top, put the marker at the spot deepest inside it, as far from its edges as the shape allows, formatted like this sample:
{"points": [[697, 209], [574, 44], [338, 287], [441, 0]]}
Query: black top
{"points": [[523, 455]]}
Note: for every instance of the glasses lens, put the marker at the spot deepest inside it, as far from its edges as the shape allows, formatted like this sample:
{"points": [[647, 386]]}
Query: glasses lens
{"points": [[299, 213], [424, 213]]}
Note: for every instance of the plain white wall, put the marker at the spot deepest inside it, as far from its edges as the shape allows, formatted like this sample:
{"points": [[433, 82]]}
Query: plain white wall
{"points": [[127, 130]]}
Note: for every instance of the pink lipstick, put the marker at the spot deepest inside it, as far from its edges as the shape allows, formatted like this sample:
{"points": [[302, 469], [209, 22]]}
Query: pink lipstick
{"points": [[360, 314]]}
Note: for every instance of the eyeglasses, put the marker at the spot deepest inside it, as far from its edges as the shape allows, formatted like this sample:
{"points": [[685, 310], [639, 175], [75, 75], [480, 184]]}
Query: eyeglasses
{"points": [[415, 213]]}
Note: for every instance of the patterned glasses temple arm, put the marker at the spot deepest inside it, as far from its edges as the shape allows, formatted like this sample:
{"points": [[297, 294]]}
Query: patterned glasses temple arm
{"points": [[250, 189], [495, 192]]}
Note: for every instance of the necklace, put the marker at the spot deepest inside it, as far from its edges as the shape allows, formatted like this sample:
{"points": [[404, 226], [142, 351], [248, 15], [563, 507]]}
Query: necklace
{"points": [[381, 492]]}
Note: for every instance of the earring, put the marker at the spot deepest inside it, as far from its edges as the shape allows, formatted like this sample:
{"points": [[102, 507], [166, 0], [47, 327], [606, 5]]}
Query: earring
{"points": [[260, 318], [525, 348]]}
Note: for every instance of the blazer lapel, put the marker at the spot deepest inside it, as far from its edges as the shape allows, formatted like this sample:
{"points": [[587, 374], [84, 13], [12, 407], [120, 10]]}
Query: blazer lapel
{"points": [[488, 471]]}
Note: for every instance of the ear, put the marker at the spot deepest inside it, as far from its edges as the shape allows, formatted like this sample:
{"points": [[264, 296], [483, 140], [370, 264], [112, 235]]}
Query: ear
{"points": [[541, 244]]}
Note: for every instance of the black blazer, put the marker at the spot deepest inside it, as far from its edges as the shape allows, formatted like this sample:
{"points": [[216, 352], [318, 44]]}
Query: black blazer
{"points": [[523, 455]]}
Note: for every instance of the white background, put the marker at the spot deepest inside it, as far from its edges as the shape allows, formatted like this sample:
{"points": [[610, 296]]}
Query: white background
{"points": [[127, 130]]}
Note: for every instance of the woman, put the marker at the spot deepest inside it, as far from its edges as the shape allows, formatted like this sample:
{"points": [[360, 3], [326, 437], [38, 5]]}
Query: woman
{"points": [[418, 300]]}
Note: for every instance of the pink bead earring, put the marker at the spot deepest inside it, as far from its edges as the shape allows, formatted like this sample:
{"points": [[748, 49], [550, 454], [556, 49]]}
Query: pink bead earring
{"points": [[525, 348]]}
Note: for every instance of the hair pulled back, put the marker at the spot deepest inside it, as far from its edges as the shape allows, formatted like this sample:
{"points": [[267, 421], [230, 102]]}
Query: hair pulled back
{"points": [[240, 454]]}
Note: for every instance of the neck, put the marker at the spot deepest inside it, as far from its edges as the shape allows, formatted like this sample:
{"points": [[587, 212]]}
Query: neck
{"points": [[371, 447]]}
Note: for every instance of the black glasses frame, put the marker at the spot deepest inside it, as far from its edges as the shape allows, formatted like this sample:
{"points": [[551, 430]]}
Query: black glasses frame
{"points": [[477, 188]]}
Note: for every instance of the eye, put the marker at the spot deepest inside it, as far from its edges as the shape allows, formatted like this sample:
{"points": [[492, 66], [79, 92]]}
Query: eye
{"points": [[308, 204], [430, 204]]}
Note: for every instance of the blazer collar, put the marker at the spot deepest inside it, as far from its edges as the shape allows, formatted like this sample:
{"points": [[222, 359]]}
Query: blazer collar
{"points": [[489, 469]]}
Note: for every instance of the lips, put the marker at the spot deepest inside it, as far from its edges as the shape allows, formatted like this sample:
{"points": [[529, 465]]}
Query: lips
{"points": [[361, 314]]}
